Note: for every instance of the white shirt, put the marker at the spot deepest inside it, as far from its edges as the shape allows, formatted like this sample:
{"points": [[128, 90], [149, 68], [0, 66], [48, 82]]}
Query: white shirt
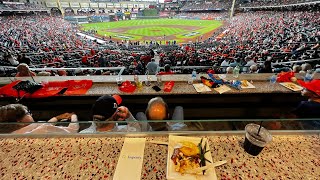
{"points": [[133, 126]]}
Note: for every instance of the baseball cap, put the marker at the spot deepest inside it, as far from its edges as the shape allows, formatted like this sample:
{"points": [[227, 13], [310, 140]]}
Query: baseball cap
{"points": [[106, 105], [313, 85]]}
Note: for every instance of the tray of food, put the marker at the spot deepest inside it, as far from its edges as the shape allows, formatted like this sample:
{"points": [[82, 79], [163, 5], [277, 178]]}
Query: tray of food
{"points": [[201, 87], [189, 158], [291, 86], [245, 84]]}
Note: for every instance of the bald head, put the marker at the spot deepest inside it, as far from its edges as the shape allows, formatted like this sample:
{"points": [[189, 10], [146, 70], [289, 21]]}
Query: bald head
{"points": [[157, 109]]}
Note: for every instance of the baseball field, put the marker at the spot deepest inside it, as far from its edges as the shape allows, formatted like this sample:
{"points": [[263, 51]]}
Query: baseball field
{"points": [[156, 29]]}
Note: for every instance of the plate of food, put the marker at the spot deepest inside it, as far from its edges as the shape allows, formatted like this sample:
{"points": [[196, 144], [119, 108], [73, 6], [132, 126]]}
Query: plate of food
{"points": [[291, 86], [245, 84], [189, 158]]}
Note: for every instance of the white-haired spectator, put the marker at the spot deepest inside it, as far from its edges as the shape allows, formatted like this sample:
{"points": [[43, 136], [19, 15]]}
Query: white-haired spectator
{"points": [[229, 70], [305, 67], [44, 73], [78, 72], [250, 62], [253, 68], [296, 68]]}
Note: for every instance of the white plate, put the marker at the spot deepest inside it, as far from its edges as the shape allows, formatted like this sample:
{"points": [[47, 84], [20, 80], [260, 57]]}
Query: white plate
{"points": [[291, 86], [172, 174]]}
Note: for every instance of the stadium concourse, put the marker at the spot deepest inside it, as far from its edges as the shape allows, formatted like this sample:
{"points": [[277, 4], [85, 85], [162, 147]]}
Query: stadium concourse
{"points": [[260, 41]]}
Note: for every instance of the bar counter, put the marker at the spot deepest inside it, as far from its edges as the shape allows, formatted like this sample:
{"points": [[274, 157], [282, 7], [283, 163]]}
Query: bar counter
{"points": [[107, 84], [262, 102], [286, 157]]}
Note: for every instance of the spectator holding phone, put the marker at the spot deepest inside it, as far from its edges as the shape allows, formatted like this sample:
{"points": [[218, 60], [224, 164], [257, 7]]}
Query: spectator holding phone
{"points": [[106, 108], [311, 107]]}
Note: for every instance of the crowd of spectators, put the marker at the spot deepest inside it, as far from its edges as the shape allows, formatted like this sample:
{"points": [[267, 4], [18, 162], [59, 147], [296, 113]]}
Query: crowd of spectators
{"points": [[208, 5], [22, 6], [261, 41], [197, 15], [282, 39], [273, 2]]}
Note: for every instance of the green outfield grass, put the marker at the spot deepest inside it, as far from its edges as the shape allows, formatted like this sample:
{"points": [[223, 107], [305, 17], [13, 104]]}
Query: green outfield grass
{"points": [[155, 29]]}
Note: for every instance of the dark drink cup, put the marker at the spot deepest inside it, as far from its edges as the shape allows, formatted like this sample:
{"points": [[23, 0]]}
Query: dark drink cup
{"points": [[254, 142]]}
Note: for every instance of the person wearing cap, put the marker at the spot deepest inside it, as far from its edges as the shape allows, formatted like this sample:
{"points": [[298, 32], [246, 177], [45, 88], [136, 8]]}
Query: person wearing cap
{"points": [[311, 107], [12, 113], [106, 108]]}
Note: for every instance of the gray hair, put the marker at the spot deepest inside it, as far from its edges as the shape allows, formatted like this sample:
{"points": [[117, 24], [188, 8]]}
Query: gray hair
{"points": [[296, 68], [306, 67], [229, 70]]}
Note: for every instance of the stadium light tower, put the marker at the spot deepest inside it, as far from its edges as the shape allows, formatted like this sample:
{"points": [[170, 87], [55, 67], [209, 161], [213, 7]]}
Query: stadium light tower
{"points": [[232, 8], [59, 7]]}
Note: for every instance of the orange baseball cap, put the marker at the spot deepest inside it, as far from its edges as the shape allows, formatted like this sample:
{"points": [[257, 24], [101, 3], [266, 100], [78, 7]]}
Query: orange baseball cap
{"points": [[117, 98]]}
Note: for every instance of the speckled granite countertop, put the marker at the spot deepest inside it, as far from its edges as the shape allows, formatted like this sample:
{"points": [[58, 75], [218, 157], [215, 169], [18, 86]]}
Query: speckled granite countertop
{"points": [[107, 84], [184, 88], [287, 157]]}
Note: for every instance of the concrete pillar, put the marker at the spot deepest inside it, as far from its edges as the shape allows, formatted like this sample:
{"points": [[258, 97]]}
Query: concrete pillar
{"points": [[75, 11], [63, 12]]}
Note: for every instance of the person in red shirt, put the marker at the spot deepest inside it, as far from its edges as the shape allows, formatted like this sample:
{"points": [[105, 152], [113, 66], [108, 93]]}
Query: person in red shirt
{"points": [[92, 52], [84, 59], [166, 71], [210, 71]]}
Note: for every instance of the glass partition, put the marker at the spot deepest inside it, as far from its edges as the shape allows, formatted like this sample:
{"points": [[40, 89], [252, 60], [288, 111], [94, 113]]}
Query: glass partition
{"points": [[157, 126]]}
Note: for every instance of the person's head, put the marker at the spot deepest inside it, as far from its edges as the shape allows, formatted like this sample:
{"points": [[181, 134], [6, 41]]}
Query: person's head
{"points": [[253, 68], [12, 113], [296, 68], [167, 68], [267, 65], [105, 108], [157, 109], [311, 89], [305, 67], [229, 70], [23, 69], [153, 60]]}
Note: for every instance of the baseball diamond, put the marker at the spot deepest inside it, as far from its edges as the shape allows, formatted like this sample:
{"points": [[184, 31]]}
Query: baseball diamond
{"points": [[180, 30]]}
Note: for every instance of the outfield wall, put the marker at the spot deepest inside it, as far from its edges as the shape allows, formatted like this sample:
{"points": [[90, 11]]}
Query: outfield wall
{"points": [[86, 19], [197, 18]]}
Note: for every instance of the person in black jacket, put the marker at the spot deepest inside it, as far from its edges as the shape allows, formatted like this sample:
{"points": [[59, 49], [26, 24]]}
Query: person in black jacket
{"points": [[311, 107]]}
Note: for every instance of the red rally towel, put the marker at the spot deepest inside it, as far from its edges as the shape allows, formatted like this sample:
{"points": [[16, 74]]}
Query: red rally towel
{"points": [[285, 76], [78, 87], [53, 88]]}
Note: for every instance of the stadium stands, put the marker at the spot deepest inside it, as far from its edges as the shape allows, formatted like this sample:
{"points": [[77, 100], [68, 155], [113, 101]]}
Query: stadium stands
{"points": [[273, 3], [285, 38]]}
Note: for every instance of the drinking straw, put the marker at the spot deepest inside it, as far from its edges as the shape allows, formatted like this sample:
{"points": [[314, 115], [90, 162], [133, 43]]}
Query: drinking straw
{"points": [[260, 127]]}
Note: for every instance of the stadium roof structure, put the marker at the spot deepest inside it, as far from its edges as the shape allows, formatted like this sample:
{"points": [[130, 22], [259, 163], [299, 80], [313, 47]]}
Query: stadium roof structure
{"points": [[287, 5]]}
